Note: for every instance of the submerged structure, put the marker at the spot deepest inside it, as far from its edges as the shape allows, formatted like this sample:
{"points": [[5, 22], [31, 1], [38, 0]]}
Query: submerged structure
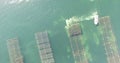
{"points": [[109, 40], [74, 33], [14, 51], [44, 47]]}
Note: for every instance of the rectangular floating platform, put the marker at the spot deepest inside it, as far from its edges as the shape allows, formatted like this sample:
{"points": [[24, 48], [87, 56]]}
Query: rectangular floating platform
{"points": [[78, 50], [74, 29], [109, 40], [14, 51], [74, 33], [44, 47]]}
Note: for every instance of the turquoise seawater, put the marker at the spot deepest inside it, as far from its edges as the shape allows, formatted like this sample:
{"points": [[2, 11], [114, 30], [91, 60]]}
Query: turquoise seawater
{"points": [[24, 18]]}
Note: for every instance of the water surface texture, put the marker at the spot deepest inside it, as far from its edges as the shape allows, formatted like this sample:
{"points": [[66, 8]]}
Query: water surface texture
{"points": [[23, 18]]}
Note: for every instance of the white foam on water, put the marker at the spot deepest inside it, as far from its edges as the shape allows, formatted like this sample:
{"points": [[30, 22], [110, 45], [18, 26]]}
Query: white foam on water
{"points": [[82, 18], [72, 20], [16, 1], [12, 1], [92, 0], [27, 0], [20, 1], [89, 17]]}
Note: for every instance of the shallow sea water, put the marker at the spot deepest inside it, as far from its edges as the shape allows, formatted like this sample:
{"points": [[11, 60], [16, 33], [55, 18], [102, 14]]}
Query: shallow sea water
{"points": [[24, 18]]}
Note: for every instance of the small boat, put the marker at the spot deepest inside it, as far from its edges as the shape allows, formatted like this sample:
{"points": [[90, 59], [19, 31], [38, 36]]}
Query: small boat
{"points": [[96, 19]]}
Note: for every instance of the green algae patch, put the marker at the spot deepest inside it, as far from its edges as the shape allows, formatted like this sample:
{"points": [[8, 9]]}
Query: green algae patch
{"points": [[83, 39], [96, 39], [87, 53], [100, 29], [68, 56], [68, 49]]}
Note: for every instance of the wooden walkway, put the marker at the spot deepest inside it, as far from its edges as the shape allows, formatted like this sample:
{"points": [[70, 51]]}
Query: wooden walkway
{"points": [[109, 41], [44, 48], [14, 51]]}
